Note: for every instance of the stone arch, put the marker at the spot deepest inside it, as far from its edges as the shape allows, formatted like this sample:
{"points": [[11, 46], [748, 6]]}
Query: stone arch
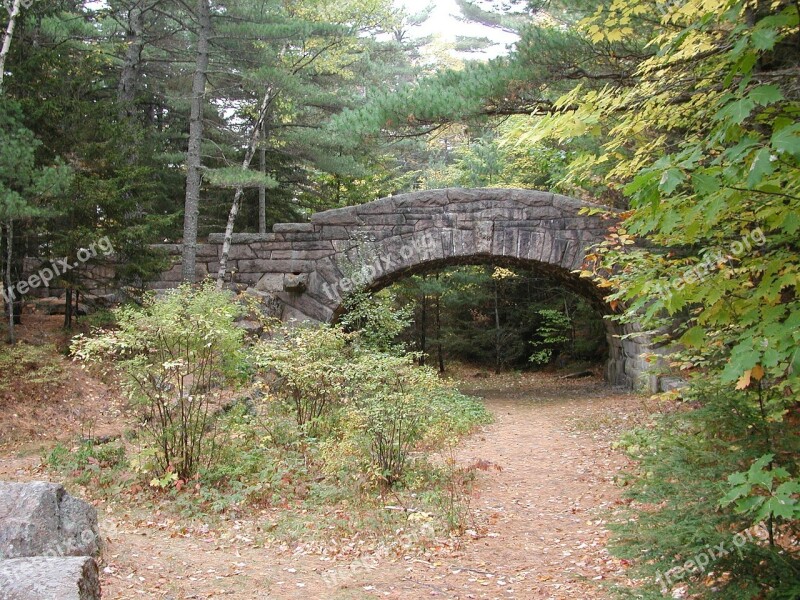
{"points": [[310, 267]]}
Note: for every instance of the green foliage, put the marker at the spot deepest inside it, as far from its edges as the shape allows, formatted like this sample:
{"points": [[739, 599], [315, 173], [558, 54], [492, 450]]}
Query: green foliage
{"points": [[370, 407], [99, 466], [376, 319], [393, 411], [553, 331], [396, 406], [173, 352], [684, 457], [764, 493], [455, 316], [312, 366], [24, 184], [700, 132]]}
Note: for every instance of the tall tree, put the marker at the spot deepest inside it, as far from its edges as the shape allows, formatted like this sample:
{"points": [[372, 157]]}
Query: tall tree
{"points": [[23, 186], [194, 159]]}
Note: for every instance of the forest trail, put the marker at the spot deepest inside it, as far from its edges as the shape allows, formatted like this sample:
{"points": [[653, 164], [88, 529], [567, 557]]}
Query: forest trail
{"points": [[540, 521], [544, 513]]}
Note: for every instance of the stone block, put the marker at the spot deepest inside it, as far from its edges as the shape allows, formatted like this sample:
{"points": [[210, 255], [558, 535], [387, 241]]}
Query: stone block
{"points": [[49, 578], [337, 216], [41, 519], [242, 238], [296, 284], [293, 228], [334, 232], [270, 282]]}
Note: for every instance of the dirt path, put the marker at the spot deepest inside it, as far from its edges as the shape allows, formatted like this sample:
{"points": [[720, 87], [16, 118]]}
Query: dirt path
{"points": [[539, 529]]}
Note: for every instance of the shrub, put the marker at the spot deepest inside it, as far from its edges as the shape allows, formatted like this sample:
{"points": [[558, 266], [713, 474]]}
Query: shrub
{"points": [[391, 404], [552, 333], [685, 457], [371, 408], [172, 352], [311, 366], [376, 320]]}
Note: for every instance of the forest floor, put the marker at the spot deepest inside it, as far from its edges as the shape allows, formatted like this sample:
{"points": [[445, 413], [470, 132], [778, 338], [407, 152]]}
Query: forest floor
{"points": [[547, 485]]}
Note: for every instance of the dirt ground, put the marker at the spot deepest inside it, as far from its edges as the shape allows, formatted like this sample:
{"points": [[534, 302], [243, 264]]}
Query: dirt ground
{"points": [[539, 507]]}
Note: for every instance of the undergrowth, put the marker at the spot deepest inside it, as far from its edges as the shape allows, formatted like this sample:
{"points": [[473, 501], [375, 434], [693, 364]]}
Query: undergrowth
{"points": [[682, 540], [331, 436]]}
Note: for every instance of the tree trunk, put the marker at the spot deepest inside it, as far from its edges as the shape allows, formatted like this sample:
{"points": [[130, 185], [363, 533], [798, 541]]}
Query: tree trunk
{"points": [[497, 331], [193, 155], [68, 307], [12, 338], [237, 196], [438, 316], [262, 189], [129, 78], [423, 329], [7, 36]]}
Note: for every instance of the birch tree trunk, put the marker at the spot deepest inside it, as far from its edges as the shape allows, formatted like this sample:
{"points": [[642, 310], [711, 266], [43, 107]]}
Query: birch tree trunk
{"points": [[7, 36], [262, 189], [12, 337], [193, 155], [237, 196]]}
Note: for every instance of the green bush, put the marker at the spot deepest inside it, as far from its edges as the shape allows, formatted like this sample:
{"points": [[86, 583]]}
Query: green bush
{"points": [[35, 365], [391, 405], [172, 352], [685, 458], [312, 367], [553, 332], [371, 408], [339, 417], [376, 320], [96, 465]]}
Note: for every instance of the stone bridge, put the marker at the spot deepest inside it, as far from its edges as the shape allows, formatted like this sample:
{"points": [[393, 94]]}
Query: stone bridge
{"points": [[310, 267]]}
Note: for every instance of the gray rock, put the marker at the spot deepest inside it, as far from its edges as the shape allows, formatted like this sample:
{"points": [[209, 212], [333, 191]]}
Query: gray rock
{"points": [[250, 326], [270, 282], [41, 519], [668, 384], [295, 283], [49, 578]]}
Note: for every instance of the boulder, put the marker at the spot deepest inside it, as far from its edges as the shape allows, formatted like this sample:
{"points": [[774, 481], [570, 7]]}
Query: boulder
{"points": [[42, 519], [49, 578], [669, 384], [251, 327], [56, 306]]}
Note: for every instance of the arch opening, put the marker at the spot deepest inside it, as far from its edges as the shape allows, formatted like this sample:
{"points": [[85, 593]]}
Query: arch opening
{"points": [[620, 357]]}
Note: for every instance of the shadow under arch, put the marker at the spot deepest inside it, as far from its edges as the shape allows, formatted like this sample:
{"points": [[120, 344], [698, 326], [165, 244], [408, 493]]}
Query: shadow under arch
{"points": [[621, 340]]}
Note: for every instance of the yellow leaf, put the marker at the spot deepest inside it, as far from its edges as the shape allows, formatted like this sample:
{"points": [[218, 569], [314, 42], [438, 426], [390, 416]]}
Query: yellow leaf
{"points": [[744, 380], [758, 372]]}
